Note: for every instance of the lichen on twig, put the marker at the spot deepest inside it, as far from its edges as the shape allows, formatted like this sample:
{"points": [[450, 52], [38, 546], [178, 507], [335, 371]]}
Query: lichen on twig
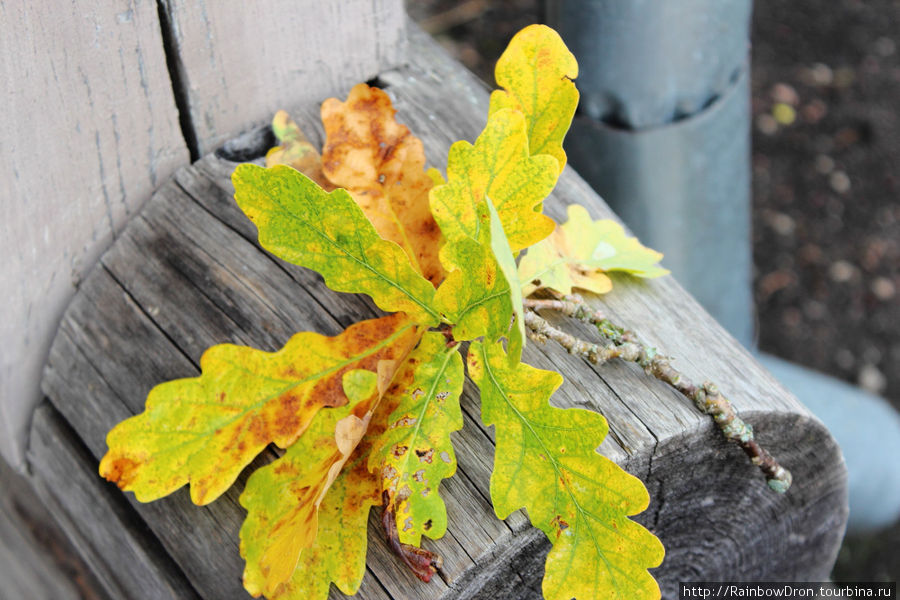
{"points": [[617, 342]]}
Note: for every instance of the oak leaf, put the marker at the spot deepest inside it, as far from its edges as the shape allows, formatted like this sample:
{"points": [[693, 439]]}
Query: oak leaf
{"points": [[205, 430], [283, 498], [476, 296], [546, 461], [295, 150], [507, 263], [536, 72], [327, 232], [500, 166], [382, 165], [338, 554], [415, 453], [580, 252]]}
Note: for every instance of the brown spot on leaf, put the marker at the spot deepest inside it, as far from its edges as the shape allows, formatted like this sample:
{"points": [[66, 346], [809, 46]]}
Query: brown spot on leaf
{"points": [[398, 451], [560, 524], [121, 471]]}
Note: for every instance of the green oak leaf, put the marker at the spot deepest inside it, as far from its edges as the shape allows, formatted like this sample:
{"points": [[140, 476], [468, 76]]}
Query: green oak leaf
{"points": [[546, 462], [580, 252], [326, 231], [414, 454]]}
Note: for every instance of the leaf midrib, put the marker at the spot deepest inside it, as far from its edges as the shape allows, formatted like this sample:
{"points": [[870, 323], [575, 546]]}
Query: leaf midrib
{"points": [[556, 467], [364, 263]]}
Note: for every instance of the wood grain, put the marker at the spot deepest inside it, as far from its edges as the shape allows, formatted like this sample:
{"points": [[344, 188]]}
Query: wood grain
{"points": [[37, 561], [240, 62], [128, 561], [89, 130], [189, 273]]}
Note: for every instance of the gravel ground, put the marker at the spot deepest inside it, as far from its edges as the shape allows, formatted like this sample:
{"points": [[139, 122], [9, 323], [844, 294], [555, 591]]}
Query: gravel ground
{"points": [[826, 216]]}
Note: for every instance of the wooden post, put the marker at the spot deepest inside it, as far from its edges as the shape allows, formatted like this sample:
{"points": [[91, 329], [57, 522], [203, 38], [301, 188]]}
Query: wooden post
{"points": [[189, 273], [89, 130]]}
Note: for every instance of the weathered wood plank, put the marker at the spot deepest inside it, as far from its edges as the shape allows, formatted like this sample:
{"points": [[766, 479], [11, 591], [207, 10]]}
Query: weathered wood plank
{"points": [[37, 561], [90, 129], [189, 273], [240, 62], [109, 536]]}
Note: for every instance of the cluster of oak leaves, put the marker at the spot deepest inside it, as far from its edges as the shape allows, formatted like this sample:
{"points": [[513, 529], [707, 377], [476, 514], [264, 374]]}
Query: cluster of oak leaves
{"points": [[366, 416]]}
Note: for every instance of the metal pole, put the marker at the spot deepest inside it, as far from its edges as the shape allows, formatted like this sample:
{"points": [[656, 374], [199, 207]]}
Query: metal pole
{"points": [[663, 134]]}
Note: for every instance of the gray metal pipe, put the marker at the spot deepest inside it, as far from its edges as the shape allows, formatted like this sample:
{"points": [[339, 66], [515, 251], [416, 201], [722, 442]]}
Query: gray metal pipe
{"points": [[663, 134]]}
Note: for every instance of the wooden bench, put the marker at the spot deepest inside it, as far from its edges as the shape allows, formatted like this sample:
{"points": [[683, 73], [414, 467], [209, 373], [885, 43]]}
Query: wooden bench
{"points": [[187, 273]]}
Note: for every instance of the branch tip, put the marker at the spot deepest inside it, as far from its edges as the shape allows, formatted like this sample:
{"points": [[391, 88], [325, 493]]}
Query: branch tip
{"points": [[624, 344]]}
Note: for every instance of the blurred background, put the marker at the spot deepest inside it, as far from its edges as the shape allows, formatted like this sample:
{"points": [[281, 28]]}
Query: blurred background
{"points": [[825, 98]]}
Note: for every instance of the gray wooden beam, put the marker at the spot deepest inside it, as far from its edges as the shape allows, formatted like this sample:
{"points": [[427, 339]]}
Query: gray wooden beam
{"points": [[190, 273], [89, 129], [238, 62]]}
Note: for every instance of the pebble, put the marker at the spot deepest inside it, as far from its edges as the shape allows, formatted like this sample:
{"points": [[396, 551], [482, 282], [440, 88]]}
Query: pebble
{"points": [[885, 46], [785, 94], [871, 379], [814, 111], [839, 181], [784, 113], [883, 288], [766, 124], [815, 310], [844, 77], [845, 359], [841, 271], [821, 74], [824, 164], [782, 224]]}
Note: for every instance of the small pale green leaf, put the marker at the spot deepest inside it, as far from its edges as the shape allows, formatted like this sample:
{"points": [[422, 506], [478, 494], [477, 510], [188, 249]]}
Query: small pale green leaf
{"points": [[580, 252], [327, 232], [359, 384], [536, 72], [296, 150], [506, 262], [476, 297], [546, 462], [414, 454]]}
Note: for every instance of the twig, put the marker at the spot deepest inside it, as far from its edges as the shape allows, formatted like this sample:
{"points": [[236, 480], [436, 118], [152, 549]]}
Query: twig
{"points": [[621, 343]]}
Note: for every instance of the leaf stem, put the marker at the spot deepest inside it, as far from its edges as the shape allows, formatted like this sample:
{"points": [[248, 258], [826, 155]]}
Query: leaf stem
{"points": [[621, 343], [422, 562]]}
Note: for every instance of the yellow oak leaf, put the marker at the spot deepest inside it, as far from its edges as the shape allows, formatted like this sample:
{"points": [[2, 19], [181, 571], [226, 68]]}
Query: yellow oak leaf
{"points": [[295, 150], [205, 430], [536, 72], [415, 454], [283, 498], [476, 296], [327, 232], [382, 165], [580, 252], [498, 165], [546, 461], [338, 552]]}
